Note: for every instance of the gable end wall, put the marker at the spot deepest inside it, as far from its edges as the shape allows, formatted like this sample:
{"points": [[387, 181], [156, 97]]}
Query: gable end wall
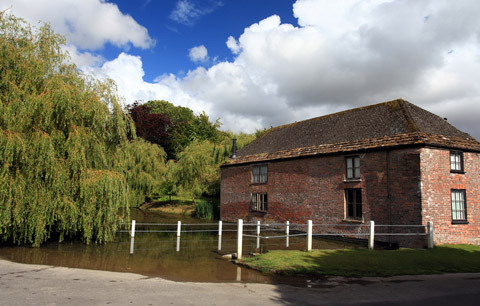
{"points": [[437, 182]]}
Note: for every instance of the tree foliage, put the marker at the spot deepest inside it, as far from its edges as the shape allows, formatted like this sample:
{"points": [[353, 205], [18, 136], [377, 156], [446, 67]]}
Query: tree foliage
{"points": [[66, 164], [153, 127], [185, 127], [198, 168]]}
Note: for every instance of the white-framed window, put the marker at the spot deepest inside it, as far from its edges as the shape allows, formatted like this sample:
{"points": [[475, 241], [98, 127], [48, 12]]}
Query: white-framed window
{"points": [[259, 202], [456, 161], [353, 200], [259, 174], [459, 206], [353, 167]]}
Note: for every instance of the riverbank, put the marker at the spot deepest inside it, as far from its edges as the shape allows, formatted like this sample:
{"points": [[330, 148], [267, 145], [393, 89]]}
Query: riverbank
{"points": [[170, 208], [22, 284], [360, 262], [204, 208]]}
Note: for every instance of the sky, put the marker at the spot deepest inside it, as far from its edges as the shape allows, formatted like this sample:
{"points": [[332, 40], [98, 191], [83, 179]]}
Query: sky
{"points": [[259, 63]]}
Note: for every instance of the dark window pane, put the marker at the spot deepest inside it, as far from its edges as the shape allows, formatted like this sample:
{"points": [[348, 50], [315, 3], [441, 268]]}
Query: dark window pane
{"points": [[358, 194], [350, 196], [359, 211], [350, 210], [354, 202]]}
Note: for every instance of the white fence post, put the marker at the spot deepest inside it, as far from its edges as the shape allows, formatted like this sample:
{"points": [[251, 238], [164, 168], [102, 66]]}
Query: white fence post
{"points": [[132, 230], [258, 235], [371, 236], [132, 245], [179, 228], [239, 239], [430, 234], [220, 235], [287, 232], [309, 235]]}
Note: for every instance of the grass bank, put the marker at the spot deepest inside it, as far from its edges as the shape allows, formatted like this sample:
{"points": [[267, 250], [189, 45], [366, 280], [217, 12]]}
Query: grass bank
{"points": [[205, 208], [359, 262]]}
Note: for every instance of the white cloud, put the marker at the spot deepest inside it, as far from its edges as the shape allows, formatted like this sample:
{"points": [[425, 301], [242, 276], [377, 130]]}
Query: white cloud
{"points": [[232, 44], [87, 24], [188, 12], [127, 71], [198, 54], [83, 59]]}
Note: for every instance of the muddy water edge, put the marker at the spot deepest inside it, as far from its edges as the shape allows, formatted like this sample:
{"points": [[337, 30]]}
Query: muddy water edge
{"points": [[194, 258]]}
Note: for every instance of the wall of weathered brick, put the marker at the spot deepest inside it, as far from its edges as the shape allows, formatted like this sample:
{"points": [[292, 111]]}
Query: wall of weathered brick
{"points": [[313, 188], [437, 182]]}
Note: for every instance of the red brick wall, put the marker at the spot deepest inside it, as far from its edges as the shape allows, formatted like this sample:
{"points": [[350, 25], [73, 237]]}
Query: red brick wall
{"points": [[437, 182], [313, 188]]}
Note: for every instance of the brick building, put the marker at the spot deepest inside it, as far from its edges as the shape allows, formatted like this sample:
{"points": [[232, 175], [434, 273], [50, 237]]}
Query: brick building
{"points": [[394, 163]]}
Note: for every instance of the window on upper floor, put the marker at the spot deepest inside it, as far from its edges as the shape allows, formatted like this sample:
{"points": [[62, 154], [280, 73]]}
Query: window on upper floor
{"points": [[353, 167], [456, 161], [353, 200], [259, 174], [459, 206], [259, 202]]}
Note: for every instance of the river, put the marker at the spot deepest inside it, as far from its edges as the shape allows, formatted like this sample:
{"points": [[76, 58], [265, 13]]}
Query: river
{"points": [[194, 258]]}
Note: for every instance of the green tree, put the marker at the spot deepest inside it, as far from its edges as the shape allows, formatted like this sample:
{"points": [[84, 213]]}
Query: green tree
{"points": [[66, 165], [197, 171], [169, 184], [185, 126]]}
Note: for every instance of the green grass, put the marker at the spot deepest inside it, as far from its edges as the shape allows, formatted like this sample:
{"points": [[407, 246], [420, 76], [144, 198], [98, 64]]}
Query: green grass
{"points": [[203, 207], [182, 200], [359, 262]]}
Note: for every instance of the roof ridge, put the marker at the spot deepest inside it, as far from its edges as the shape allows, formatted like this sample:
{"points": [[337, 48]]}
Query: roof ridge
{"points": [[398, 101], [411, 124]]}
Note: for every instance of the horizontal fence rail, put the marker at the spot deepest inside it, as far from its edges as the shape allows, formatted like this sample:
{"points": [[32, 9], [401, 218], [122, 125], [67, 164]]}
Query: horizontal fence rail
{"points": [[359, 230]]}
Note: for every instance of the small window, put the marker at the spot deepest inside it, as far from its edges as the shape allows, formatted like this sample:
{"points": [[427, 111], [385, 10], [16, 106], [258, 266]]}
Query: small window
{"points": [[353, 167], [259, 202], [259, 174], [459, 206], [456, 161], [353, 199]]}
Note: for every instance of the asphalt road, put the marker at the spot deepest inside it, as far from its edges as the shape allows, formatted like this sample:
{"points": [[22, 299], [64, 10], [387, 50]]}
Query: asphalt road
{"points": [[22, 284]]}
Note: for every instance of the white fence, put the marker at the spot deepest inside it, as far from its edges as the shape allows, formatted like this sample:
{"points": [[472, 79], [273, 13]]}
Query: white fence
{"points": [[180, 228], [310, 234]]}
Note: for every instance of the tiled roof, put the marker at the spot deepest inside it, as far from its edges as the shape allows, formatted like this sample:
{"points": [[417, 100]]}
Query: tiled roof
{"points": [[385, 125]]}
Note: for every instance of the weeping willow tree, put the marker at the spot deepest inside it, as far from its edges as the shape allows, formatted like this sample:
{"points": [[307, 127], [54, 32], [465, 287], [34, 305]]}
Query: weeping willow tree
{"points": [[197, 171], [66, 164]]}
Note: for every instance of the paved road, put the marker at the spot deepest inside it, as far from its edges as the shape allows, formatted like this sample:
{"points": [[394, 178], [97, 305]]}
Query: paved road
{"points": [[22, 284]]}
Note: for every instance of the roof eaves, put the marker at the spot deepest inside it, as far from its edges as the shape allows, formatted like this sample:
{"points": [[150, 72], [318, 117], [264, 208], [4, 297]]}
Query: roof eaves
{"points": [[399, 140]]}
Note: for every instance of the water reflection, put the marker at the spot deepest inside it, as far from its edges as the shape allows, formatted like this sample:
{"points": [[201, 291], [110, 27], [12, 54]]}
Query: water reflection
{"points": [[195, 256]]}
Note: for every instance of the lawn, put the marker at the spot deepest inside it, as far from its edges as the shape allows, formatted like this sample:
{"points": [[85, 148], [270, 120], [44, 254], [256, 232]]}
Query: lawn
{"points": [[360, 262]]}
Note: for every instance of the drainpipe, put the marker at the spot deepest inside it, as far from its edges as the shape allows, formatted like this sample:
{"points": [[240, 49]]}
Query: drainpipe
{"points": [[234, 148], [389, 201]]}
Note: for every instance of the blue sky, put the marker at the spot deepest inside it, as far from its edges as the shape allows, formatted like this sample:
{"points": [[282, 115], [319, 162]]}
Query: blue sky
{"points": [[262, 63], [211, 26]]}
